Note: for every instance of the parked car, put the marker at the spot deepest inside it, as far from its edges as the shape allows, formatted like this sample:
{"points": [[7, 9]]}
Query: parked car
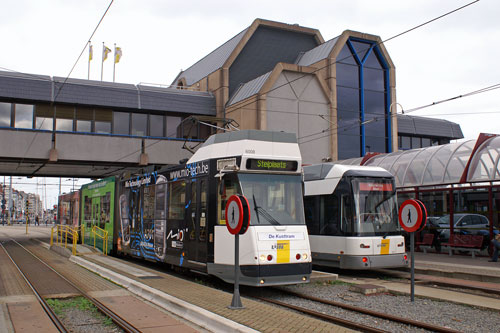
{"points": [[474, 224]]}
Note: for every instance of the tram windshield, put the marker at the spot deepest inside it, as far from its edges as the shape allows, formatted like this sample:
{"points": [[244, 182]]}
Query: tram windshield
{"points": [[274, 199], [375, 206]]}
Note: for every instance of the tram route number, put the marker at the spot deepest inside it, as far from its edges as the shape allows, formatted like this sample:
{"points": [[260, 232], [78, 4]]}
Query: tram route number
{"points": [[237, 214], [412, 215]]}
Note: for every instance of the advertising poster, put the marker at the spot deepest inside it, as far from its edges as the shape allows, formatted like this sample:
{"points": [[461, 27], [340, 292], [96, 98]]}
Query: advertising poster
{"points": [[97, 209]]}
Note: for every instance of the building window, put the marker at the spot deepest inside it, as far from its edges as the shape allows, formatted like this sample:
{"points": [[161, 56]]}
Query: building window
{"points": [[121, 123], [139, 124], [172, 124], [363, 124], [64, 118], [23, 115], [44, 117], [426, 142], [103, 121], [5, 114], [405, 142], [84, 117], [156, 125], [415, 143]]}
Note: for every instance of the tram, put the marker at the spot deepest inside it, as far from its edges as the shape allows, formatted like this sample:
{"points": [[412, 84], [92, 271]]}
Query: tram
{"points": [[176, 215], [352, 217]]}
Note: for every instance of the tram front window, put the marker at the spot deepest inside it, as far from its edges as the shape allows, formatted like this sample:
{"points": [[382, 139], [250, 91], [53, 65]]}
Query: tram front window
{"points": [[375, 206], [273, 199]]}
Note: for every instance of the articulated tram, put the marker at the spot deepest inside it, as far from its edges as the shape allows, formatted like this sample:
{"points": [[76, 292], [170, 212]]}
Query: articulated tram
{"points": [[176, 215], [352, 217]]}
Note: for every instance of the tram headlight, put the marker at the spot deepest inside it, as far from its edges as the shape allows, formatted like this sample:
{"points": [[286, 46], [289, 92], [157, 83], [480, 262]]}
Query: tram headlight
{"points": [[305, 256], [263, 257]]}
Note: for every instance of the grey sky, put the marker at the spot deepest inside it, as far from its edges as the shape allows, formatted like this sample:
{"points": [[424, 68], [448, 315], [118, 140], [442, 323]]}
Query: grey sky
{"points": [[452, 56]]}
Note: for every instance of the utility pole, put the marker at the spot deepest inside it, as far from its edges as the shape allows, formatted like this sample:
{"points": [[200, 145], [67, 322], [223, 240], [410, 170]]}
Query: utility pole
{"points": [[10, 201]]}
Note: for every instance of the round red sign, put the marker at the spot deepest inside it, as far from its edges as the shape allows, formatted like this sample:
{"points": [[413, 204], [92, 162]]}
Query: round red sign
{"points": [[237, 214], [412, 215]]}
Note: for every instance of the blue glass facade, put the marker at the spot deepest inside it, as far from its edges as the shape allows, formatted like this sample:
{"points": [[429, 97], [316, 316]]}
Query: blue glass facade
{"points": [[363, 99]]}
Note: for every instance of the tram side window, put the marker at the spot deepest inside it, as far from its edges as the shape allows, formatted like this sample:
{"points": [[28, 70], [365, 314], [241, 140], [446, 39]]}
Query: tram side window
{"points": [[230, 186], [311, 214], [346, 214], [329, 215], [176, 202]]}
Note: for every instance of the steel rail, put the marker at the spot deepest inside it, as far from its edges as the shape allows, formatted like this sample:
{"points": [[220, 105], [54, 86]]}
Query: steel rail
{"points": [[372, 313], [59, 325], [330, 318], [122, 323]]}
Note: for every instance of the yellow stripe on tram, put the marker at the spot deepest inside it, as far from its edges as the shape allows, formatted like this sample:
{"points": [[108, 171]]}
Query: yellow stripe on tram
{"points": [[283, 248], [384, 246]]}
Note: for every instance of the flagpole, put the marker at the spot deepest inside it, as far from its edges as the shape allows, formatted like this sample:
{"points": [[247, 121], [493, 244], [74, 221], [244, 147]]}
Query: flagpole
{"points": [[102, 61], [88, 72], [114, 64]]}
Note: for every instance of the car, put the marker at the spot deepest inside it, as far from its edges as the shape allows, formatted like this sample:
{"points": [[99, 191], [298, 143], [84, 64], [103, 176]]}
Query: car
{"points": [[473, 224]]}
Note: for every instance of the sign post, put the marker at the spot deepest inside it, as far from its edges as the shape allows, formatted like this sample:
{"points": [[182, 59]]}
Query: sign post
{"points": [[237, 221], [412, 217]]}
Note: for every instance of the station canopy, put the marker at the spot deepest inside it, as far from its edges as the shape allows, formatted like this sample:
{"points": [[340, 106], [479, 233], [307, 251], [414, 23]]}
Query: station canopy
{"points": [[471, 161]]}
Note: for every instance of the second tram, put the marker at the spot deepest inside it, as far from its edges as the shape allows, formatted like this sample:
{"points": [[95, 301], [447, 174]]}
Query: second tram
{"points": [[352, 217], [176, 215]]}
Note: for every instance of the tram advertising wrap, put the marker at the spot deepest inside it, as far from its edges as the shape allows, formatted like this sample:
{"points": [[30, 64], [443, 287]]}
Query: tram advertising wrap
{"points": [[176, 215]]}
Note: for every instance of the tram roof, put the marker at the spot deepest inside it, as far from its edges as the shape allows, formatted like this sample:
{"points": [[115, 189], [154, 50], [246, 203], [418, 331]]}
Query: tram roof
{"points": [[336, 170], [251, 143], [255, 135]]}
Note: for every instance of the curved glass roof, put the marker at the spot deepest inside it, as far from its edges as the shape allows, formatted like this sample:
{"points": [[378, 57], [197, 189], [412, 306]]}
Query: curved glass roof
{"points": [[484, 164], [443, 164]]}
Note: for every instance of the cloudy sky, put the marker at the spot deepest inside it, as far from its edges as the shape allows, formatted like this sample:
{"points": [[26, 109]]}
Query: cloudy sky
{"points": [[451, 56]]}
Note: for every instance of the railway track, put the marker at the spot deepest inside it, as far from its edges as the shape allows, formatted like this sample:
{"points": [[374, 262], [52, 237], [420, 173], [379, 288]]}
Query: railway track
{"points": [[348, 323], [44, 280]]}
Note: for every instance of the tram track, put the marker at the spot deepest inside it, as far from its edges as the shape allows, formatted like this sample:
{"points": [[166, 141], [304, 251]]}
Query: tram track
{"points": [[28, 264], [354, 309]]}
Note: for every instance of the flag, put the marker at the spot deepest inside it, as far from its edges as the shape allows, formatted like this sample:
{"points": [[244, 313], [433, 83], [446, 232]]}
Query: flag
{"points": [[91, 52], [105, 52], [118, 54]]}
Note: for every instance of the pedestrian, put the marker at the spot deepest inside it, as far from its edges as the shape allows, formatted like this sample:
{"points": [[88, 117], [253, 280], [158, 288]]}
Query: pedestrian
{"points": [[36, 220], [496, 246]]}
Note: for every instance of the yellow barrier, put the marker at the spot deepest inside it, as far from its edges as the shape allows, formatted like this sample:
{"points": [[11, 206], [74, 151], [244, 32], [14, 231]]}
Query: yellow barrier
{"points": [[102, 234], [62, 233]]}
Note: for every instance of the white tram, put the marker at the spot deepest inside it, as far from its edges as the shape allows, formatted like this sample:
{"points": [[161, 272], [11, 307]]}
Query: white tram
{"points": [[176, 215], [352, 217]]}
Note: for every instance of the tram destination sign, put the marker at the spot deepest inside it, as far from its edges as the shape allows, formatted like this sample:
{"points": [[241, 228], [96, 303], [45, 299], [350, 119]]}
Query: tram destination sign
{"points": [[271, 165]]}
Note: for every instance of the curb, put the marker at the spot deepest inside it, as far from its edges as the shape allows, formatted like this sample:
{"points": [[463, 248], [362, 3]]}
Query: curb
{"points": [[190, 312]]}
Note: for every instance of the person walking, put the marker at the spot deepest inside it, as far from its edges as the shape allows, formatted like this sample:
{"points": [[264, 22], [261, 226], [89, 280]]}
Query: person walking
{"points": [[496, 246], [36, 220]]}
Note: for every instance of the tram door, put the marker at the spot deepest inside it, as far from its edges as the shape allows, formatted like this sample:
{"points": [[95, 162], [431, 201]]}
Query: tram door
{"points": [[197, 221]]}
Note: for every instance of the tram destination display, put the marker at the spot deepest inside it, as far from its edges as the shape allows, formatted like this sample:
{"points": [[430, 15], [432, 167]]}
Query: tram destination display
{"points": [[271, 165]]}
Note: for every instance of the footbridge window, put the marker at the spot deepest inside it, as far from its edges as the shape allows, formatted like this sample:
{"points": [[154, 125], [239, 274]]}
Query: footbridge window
{"points": [[5, 114], [80, 119], [23, 115]]}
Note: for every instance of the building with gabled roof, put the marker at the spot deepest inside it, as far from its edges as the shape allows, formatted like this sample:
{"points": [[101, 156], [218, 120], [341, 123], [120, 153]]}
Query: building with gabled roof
{"points": [[338, 96]]}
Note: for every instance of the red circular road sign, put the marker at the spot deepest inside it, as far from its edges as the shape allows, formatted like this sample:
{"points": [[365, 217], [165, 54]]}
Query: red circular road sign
{"points": [[412, 215], [237, 214]]}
